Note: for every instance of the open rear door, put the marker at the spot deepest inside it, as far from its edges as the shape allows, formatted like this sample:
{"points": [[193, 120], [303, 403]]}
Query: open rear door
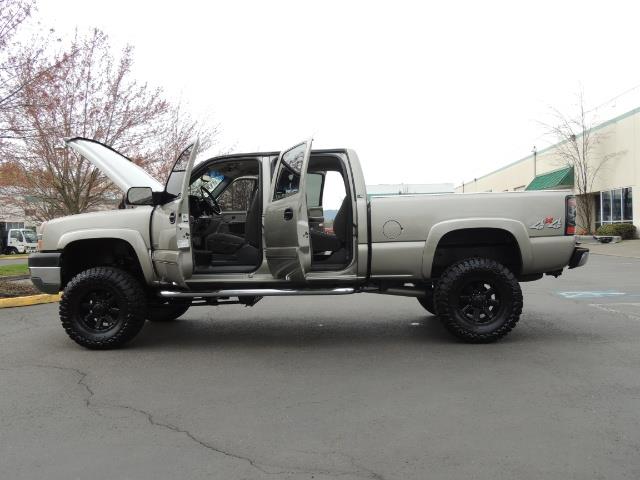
{"points": [[286, 222], [171, 229]]}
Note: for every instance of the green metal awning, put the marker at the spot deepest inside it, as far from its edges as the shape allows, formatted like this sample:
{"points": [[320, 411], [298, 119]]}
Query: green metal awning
{"points": [[562, 178]]}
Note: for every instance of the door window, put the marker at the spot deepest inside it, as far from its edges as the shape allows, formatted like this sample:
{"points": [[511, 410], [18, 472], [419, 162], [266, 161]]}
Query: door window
{"points": [[174, 182], [288, 180], [314, 189], [16, 235], [237, 196]]}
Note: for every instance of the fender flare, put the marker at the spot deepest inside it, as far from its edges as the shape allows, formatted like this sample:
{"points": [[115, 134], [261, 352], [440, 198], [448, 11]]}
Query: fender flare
{"points": [[439, 230], [132, 237]]}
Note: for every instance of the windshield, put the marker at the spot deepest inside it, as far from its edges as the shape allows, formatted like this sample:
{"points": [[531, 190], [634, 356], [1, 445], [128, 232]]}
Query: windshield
{"points": [[209, 180], [30, 236]]}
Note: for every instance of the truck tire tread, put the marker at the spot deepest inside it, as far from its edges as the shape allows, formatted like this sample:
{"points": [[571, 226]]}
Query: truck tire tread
{"points": [[134, 300], [446, 284]]}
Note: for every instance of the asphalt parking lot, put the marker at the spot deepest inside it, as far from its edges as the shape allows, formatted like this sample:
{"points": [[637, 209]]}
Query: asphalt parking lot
{"points": [[352, 387]]}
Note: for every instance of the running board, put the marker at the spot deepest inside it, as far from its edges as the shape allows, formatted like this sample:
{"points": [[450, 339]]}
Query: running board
{"points": [[254, 292]]}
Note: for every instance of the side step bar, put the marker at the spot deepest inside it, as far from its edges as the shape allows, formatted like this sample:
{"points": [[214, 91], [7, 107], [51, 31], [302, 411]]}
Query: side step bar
{"points": [[255, 292]]}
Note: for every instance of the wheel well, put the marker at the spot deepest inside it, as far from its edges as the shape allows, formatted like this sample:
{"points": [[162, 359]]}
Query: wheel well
{"points": [[99, 252], [494, 243]]}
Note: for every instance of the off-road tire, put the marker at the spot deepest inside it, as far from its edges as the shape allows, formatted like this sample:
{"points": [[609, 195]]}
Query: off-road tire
{"points": [[453, 303], [166, 312], [427, 301], [128, 296]]}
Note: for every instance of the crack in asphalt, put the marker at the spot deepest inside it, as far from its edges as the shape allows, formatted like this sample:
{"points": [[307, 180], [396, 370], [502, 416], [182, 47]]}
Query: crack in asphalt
{"points": [[265, 469]]}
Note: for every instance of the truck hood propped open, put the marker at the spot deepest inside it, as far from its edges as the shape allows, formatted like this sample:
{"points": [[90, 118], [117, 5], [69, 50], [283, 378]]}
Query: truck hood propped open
{"points": [[120, 170]]}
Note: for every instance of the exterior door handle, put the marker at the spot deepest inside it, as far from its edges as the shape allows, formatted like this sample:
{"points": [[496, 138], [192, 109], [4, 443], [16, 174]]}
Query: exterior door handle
{"points": [[172, 217], [288, 214]]}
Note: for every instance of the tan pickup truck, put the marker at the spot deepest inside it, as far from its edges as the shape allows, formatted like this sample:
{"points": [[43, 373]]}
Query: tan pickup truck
{"points": [[236, 228]]}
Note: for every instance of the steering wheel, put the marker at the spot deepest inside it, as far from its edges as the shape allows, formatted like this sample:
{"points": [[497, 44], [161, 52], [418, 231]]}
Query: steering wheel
{"points": [[210, 201]]}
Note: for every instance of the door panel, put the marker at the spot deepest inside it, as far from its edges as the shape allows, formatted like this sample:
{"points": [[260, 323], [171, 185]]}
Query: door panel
{"points": [[235, 221], [316, 218], [171, 229], [286, 223]]}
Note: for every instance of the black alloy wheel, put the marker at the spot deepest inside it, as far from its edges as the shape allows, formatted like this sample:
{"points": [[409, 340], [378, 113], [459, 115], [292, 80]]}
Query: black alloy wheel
{"points": [[479, 302], [99, 309]]}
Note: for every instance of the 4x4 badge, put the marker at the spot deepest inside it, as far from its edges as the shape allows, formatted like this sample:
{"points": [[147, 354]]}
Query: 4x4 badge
{"points": [[548, 222]]}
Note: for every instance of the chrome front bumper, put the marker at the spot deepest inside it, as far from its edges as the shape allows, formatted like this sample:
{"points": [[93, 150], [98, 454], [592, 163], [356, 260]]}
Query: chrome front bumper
{"points": [[45, 271]]}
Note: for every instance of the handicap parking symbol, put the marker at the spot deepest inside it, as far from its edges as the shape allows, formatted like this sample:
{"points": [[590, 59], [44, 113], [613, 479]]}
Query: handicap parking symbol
{"points": [[591, 294]]}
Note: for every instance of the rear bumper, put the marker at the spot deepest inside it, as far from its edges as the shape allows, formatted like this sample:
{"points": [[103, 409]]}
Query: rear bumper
{"points": [[579, 257], [45, 271]]}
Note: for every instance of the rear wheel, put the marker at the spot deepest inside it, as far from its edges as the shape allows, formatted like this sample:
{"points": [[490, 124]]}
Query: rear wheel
{"points": [[102, 308], [166, 312], [478, 300]]}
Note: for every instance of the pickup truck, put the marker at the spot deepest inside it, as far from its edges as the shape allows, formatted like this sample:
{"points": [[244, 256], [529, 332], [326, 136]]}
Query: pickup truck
{"points": [[236, 228]]}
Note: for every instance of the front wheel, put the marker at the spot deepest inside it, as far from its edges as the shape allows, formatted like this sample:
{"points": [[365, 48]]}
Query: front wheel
{"points": [[103, 308], [478, 300]]}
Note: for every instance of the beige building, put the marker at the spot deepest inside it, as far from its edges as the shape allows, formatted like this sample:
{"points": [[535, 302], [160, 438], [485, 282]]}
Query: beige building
{"points": [[614, 185]]}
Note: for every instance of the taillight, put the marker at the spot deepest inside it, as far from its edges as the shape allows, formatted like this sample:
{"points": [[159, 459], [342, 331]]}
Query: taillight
{"points": [[570, 217]]}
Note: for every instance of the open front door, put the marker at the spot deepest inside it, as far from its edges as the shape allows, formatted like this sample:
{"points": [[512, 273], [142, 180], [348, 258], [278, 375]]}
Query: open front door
{"points": [[286, 222], [171, 229]]}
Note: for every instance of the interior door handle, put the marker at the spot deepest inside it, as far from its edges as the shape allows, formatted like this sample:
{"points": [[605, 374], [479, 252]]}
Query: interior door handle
{"points": [[288, 214], [172, 217]]}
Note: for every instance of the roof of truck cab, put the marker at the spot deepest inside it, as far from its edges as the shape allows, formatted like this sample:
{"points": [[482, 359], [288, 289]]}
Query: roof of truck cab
{"points": [[268, 154]]}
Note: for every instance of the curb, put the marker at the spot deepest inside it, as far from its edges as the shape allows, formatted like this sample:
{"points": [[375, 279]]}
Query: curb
{"points": [[28, 300]]}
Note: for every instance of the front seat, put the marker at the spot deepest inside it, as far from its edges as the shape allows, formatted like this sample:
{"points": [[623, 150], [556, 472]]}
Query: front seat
{"points": [[337, 243], [227, 247]]}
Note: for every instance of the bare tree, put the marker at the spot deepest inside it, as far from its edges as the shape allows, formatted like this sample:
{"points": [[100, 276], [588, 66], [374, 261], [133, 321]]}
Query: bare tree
{"points": [[13, 13], [178, 129], [576, 147], [86, 92]]}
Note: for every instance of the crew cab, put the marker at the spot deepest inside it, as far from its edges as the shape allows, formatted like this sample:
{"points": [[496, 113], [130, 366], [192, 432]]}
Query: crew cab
{"points": [[236, 228]]}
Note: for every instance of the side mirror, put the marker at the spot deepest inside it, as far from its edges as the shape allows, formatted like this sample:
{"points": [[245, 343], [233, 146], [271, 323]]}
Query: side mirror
{"points": [[140, 196]]}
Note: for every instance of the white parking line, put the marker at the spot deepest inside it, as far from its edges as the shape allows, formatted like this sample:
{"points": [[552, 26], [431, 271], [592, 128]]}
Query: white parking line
{"points": [[621, 307]]}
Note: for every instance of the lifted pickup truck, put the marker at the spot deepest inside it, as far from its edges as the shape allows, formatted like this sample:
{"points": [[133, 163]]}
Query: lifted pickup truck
{"points": [[236, 228]]}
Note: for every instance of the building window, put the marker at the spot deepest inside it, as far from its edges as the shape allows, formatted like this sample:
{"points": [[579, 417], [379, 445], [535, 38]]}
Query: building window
{"points": [[614, 206], [627, 203], [605, 206]]}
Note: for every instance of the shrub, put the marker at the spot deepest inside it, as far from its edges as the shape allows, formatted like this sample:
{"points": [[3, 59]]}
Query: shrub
{"points": [[624, 230]]}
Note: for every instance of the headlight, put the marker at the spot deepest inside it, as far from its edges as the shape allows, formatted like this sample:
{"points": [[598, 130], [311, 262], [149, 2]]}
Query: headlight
{"points": [[41, 235]]}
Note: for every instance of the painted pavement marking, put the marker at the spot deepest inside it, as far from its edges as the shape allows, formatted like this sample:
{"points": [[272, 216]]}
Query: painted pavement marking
{"points": [[621, 307], [591, 294]]}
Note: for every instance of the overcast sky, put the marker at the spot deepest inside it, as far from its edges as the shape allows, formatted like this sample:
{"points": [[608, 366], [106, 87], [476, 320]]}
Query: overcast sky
{"points": [[425, 92]]}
